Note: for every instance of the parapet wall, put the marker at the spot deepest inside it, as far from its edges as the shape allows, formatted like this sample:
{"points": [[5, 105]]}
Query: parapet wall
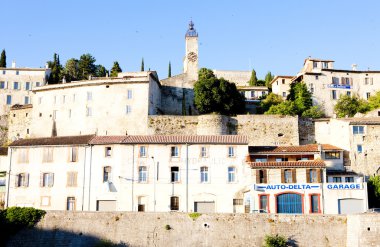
{"points": [[60, 228]]}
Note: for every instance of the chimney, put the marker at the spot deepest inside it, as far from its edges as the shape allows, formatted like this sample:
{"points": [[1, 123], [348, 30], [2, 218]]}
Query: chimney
{"points": [[13, 64], [354, 67]]}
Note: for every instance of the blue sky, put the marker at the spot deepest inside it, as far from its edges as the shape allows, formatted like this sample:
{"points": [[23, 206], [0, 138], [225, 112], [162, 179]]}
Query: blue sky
{"points": [[267, 35]]}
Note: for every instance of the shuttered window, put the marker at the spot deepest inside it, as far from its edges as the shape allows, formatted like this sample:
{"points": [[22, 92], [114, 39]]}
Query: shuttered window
{"points": [[261, 176], [22, 180], [47, 179], [72, 179], [47, 155], [288, 176], [107, 174], [174, 203]]}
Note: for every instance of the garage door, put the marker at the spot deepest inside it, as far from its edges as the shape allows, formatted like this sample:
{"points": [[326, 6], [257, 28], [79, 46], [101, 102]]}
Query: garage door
{"points": [[289, 204], [204, 207], [106, 205], [350, 206]]}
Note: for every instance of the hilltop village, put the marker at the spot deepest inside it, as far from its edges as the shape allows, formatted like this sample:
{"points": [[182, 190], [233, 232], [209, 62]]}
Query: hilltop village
{"points": [[138, 143]]}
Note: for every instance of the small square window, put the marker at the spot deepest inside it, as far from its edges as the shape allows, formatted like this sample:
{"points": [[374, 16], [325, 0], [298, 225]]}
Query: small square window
{"points": [[174, 170], [27, 86], [174, 151], [349, 179], [337, 179], [2, 84], [128, 110], [231, 152], [358, 130], [15, 85], [26, 100], [203, 152], [142, 151], [17, 72], [9, 99], [129, 94], [359, 148], [38, 84], [108, 151]]}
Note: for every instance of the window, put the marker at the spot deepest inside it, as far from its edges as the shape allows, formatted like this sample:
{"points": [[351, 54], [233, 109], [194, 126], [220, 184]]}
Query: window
{"points": [[283, 94], [89, 96], [231, 152], [368, 95], [23, 156], [325, 65], [45, 200], [203, 152], [142, 151], [22, 180], [47, 180], [38, 84], [27, 86], [332, 155], [204, 174], [4, 72], [174, 151], [231, 174], [335, 80], [348, 93], [281, 159], [15, 85], [261, 176], [313, 176], [63, 99], [129, 94], [128, 109], [174, 203], [47, 155], [73, 154], [288, 176], [72, 179], [108, 151], [143, 174], [314, 204], [263, 202], [17, 72], [316, 77], [349, 179], [107, 174], [70, 204], [9, 99], [261, 160], [88, 111], [315, 65], [283, 81], [174, 170], [358, 130], [26, 100], [2, 84], [337, 179], [333, 94], [359, 148]]}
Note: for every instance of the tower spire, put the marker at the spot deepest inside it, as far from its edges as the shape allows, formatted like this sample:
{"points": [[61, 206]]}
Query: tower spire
{"points": [[191, 32]]}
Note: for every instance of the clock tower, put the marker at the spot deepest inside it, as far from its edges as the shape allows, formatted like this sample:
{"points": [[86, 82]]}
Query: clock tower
{"points": [[190, 63]]}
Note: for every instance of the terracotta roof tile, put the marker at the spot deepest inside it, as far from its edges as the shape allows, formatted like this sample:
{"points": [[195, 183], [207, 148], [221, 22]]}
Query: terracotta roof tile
{"points": [[205, 139], [99, 140], [53, 141], [310, 148], [287, 164]]}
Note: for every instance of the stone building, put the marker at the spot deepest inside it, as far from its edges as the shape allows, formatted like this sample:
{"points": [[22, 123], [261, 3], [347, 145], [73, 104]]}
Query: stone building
{"points": [[16, 85], [281, 85], [328, 84], [304, 179]]}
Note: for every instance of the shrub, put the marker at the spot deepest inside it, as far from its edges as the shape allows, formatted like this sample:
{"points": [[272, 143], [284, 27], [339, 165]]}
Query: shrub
{"points": [[26, 217], [275, 241], [194, 215]]}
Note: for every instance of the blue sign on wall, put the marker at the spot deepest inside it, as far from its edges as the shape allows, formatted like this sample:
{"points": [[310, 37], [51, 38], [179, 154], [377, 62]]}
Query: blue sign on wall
{"points": [[339, 86], [287, 187], [346, 186]]}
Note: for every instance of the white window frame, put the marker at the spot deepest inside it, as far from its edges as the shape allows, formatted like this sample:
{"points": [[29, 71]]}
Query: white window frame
{"points": [[231, 152], [143, 174], [204, 174], [129, 94], [231, 178], [174, 151], [142, 151]]}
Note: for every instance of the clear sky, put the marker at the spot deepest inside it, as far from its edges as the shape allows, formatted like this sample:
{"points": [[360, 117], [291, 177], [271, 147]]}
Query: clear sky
{"points": [[266, 35]]}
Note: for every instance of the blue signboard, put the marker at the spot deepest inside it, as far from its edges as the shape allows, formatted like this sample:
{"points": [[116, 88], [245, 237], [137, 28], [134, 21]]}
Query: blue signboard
{"points": [[346, 186], [339, 86], [286, 187]]}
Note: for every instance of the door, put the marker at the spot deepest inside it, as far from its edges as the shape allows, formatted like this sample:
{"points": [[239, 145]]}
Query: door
{"points": [[289, 203], [204, 207], [350, 206], [106, 205]]}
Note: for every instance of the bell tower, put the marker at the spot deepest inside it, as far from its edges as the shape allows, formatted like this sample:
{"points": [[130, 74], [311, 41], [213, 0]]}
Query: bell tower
{"points": [[190, 63]]}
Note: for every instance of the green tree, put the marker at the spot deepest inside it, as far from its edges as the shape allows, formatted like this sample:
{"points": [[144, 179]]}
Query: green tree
{"points": [[268, 78], [142, 65], [71, 71], [3, 59], [56, 70], [349, 106], [100, 71], [374, 101], [170, 70], [313, 112], [374, 191], [301, 97], [217, 95], [271, 99], [284, 108], [260, 83], [86, 66], [253, 80], [115, 69]]}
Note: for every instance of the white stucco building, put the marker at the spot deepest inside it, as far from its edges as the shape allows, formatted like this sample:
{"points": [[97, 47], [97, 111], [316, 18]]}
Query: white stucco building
{"points": [[281, 85], [328, 84], [16, 85]]}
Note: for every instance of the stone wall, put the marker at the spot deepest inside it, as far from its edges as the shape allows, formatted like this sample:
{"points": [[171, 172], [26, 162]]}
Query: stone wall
{"points": [[306, 131], [178, 229], [363, 230], [3, 129], [19, 122], [261, 130]]}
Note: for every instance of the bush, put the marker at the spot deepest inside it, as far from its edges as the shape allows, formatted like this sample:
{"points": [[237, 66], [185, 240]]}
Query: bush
{"points": [[26, 217], [275, 241], [194, 215]]}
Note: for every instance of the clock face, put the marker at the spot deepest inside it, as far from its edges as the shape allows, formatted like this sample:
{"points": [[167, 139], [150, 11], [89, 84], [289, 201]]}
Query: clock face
{"points": [[192, 56]]}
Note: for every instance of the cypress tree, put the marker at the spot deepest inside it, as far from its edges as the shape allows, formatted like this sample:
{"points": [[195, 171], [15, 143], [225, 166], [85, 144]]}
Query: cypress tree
{"points": [[115, 69], [3, 59], [142, 64], [253, 80], [170, 70]]}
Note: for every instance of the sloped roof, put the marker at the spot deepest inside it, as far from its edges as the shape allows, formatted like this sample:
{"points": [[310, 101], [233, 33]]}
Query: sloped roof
{"points": [[99, 140], [310, 148], [288, 164], [53, 141], [3, 151], [205, 139]]}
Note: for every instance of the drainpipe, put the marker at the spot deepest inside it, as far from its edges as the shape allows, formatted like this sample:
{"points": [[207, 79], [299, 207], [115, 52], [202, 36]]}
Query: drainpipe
{"points": [[324, 179], [89, 180], [133, 174], [9, 176], [84, 175], [187, 177]]}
